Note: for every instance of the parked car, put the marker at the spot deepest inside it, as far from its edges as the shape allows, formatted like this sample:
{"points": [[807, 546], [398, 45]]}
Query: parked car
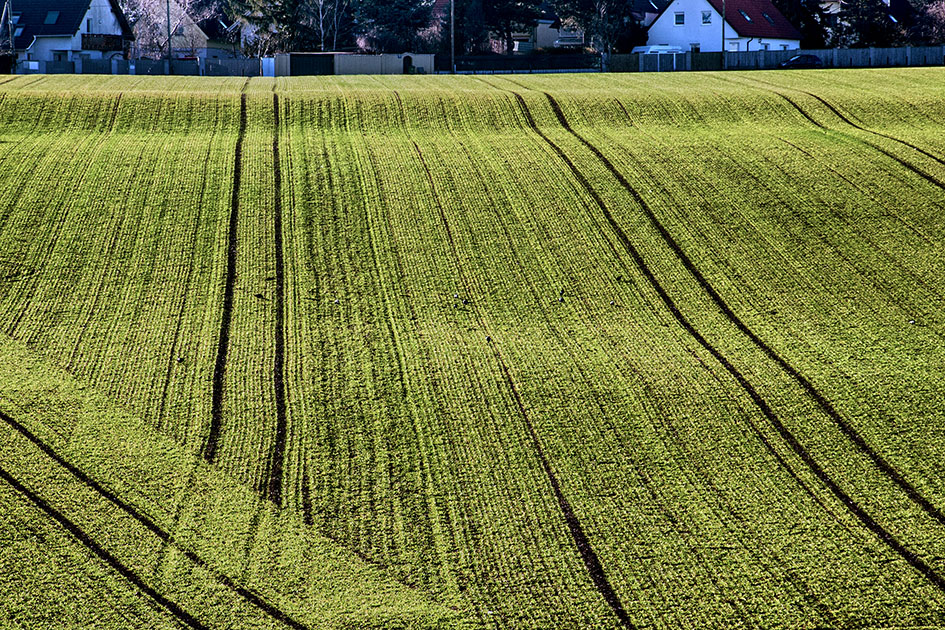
{"points": [[802, 61]]}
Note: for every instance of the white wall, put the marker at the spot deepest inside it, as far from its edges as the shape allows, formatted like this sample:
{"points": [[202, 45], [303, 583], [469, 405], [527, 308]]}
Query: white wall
{"points": [[43, 47], [103, 22], [380, 64], [709, 36], [664, 31]]}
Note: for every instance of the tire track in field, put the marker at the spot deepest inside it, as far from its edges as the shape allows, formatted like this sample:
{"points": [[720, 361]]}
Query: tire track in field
{"points": [[774, 89], [149, 524], [223, 343], [846, 428], [277, 459], [86, 541], [591, 562], [724, 507], [868, 521]]}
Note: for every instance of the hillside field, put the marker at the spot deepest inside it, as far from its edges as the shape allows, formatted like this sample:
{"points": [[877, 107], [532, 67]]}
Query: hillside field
{"points": [[560, 351]]}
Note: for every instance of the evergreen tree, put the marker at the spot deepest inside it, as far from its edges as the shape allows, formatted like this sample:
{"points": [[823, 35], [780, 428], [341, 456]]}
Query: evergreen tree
{"points": [[809, 18], [393, 25]]}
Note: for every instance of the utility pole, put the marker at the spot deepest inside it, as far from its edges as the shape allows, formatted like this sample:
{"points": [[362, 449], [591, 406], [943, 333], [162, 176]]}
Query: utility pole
{"points": [[452, 36], [724, 65], [168, 31]]}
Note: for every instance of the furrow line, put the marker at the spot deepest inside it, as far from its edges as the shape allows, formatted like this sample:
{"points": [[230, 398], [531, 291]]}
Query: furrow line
{"points": [[908, 165], [171, 361], [868, 521], [847, 120], [223, 340], [86, 541], [591, 562], [148, 523], [724, 506], [858, 440], [277, 460]]}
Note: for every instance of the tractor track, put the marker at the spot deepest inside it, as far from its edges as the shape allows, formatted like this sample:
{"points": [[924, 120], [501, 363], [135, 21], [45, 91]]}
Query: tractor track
{"points": [[223, 343], [878, 460], [277, 461], [86, 541], [149, 524], [774, 89], [826, 406], [591, 561], [425, 477], [724, 507], [799, 450]]}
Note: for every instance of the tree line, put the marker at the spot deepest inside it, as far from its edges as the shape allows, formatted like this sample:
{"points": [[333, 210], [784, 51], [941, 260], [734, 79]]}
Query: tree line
{"points": [[487, 26]]}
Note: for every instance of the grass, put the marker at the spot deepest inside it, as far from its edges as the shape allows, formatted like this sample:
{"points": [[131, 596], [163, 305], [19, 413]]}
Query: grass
{"points": [[523, 351]]}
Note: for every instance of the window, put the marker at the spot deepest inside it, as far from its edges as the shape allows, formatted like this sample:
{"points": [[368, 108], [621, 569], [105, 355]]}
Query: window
{"points": [[88, 26], [19, 31], [707, 17], [16, 18], [768, 17], [51, 17], [680, 19], [744, 15]]}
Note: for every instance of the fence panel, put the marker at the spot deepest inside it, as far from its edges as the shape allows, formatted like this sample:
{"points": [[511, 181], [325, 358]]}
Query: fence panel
{"points": [[185, 67], [60, 67], [96, 66], [232, 68]]}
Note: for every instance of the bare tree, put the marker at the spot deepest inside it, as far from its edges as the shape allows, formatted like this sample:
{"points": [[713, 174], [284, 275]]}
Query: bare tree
{"points": [[149, 20]]}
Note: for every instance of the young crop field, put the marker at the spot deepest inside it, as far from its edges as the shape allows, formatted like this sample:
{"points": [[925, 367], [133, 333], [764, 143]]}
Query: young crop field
{"points": [[569, 351]]}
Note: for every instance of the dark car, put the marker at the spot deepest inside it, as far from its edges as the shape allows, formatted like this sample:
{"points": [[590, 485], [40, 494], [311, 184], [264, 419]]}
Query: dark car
{"points": [[802, 61]]}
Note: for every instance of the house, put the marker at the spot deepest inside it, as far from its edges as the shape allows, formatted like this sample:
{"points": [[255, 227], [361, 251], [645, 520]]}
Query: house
{"points": [[900, 13], [645, 12], [206, 38], [548, 33], [697, 26], [68, 30]]}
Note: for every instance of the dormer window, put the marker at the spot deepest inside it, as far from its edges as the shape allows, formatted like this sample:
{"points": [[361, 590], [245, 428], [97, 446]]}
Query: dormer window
{"points": [[768, 17], [744, 15], [51, 17]]}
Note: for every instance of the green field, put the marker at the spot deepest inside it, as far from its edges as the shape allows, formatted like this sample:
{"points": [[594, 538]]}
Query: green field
{"points": [[562, 351]]}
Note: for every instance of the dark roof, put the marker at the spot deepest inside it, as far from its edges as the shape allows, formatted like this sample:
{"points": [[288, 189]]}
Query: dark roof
{"points": [[32, 17], [648, 6], [763, 20]]}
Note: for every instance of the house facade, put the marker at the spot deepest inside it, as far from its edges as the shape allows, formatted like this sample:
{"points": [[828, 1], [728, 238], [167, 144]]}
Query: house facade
{"points": [[697, 26], [70, 30]]}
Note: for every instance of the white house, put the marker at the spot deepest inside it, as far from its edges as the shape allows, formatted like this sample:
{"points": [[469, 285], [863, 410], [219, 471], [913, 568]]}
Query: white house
{"points": [[66, 30], [697, 25]]}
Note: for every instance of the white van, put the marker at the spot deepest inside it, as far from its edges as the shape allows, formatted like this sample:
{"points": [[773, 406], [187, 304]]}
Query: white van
{"points": [[657, 50]]}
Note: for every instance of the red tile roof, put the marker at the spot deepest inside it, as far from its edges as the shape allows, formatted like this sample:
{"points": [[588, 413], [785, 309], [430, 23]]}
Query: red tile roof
{"points": [[765, 20]]}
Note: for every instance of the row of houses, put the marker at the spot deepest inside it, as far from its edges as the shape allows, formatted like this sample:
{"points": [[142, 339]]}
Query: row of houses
{"points": [[84, 30], [81, 30]]}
